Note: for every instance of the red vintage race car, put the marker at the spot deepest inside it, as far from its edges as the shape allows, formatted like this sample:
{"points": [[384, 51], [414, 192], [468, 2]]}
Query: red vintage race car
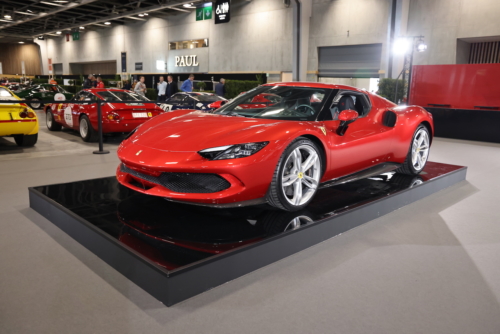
{"points": [[117, 116], [313, 136]]}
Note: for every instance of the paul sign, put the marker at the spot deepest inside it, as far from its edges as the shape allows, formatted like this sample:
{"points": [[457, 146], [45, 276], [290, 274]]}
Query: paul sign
{"points": [[186, 61]]}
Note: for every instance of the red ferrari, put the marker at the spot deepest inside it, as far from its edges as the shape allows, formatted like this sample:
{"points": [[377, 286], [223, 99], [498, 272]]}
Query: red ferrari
{"points": [[116, 116], [309, 135]]}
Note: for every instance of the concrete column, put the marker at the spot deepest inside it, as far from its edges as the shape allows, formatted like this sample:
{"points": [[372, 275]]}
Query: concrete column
{"points": [[302, 10], [400, 30]]}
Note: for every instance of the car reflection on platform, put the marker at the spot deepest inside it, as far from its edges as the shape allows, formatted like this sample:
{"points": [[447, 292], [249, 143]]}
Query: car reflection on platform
{"points": [[173, 235]]}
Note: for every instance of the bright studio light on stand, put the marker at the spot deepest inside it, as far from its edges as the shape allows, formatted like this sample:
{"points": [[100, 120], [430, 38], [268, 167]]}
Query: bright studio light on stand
{"points": [[401, 46], [421, 46]]}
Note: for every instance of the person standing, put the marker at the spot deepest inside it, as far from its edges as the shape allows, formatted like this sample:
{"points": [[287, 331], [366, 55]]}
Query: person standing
{"points": [[140, 88], [187, 86], [220, 88], [100, 83], [88, 82], [127, 85], [161, 87], [171, 87]]}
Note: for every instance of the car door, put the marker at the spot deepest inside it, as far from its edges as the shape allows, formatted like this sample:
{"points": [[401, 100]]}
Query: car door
{"points": [[365, 143]]}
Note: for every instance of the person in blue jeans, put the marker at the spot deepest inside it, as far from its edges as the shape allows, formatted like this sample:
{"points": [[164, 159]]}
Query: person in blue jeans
{"points": [[187, 86]]}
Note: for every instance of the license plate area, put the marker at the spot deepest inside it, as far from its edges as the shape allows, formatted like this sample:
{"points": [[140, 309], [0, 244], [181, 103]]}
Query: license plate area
{"points": [[140, 114]]}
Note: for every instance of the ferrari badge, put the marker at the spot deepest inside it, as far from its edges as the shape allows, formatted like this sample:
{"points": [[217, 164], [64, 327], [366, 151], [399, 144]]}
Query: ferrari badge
{"points": [[323, 129]]}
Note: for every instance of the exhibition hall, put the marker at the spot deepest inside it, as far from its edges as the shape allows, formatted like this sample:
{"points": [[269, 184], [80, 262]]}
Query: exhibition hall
{"points": [[249, 166]]}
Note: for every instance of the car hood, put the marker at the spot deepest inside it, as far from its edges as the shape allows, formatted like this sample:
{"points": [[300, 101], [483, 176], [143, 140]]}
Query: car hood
{"points": [[196, 131]]}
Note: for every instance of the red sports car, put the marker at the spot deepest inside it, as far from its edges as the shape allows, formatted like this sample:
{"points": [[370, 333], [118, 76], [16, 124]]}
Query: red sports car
{"points": [[116, 116], [313, 136]]}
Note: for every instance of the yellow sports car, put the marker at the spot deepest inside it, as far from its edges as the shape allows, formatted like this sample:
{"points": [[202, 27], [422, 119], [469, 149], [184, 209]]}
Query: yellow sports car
{"points": [[17, 120]]}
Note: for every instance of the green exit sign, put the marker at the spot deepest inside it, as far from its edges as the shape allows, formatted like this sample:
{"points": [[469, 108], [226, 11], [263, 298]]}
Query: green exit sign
{"points": [[76, 35], [205, 12]]}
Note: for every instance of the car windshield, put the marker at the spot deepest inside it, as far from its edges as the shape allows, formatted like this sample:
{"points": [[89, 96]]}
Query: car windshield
{"points": [[278, 102], [119, 95], [206, 97]]}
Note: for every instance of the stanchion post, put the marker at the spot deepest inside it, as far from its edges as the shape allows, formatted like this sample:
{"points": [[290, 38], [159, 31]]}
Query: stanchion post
{"points": [[99, 129]]}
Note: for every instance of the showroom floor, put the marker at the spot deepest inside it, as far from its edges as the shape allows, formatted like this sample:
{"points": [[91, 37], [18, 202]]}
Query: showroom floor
{"points": [[431, 267]]}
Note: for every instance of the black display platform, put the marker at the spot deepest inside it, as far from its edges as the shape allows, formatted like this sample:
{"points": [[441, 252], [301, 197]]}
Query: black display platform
{"points": [[175, 251]]}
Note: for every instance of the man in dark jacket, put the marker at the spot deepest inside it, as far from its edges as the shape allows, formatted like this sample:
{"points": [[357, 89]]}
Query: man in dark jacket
{"points": [[220, 88], [171, 87], [88, 83]]}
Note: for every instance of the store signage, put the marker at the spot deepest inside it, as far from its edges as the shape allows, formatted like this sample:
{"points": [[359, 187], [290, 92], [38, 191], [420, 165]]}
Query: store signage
{"points": [[222, 11], [138, 66], [204, 12], [124, 62], [186, 61], [76, 35]]}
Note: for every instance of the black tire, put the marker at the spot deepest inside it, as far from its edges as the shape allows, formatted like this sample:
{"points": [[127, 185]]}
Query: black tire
{"points": [[407, 167], [52, 125], [275, 195], [35, 104], [26, 140], [91, 134]]}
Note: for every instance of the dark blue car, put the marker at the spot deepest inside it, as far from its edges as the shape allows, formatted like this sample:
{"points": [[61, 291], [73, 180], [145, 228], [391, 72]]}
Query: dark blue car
{"points": [[194, 100]]}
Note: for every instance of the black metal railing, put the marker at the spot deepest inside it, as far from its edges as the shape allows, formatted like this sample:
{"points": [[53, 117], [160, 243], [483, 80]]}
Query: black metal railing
{"points": [[99, 112]]}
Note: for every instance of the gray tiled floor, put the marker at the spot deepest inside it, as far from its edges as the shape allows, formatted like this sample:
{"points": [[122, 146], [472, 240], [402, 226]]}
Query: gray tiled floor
{"points": [[431, 267]]}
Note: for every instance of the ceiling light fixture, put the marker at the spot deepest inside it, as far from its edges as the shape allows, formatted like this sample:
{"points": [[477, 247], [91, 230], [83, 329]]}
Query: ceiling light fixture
{"points": [[141, 15], [50, 3], [8, 17], [21, 42], [58, 32], [188, 5], [107, 23], [82, 28], [146, 14]]}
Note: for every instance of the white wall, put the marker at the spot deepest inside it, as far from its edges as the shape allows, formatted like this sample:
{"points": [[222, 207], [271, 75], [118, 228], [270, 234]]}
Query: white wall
{"points": [[259, 36], [442, 22]]}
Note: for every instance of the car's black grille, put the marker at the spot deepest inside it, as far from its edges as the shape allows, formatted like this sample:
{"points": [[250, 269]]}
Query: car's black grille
{"points": [[183, 182]]}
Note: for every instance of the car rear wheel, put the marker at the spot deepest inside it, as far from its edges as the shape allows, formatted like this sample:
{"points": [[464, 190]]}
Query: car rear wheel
{"points": [[297, 176], [52, 125], [418, 152], [26, 140], [35, 104], [87, 132]]}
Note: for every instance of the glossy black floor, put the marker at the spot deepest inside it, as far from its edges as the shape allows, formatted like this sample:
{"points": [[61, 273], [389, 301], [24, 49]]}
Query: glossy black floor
{"points": [[173, 235]]}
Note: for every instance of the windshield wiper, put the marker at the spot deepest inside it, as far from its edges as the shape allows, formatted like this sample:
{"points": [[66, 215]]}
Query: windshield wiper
{"points": [[234, 113]]}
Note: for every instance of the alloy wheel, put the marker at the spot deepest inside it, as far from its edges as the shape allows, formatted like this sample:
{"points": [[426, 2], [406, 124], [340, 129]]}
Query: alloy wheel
{"points": [[49, 120], [35, 104], [301, 175], [84, 128], [420, 149]]}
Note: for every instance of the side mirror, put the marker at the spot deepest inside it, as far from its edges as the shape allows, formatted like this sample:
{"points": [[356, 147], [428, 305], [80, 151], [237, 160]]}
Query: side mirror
{"points": [[346, 117]]}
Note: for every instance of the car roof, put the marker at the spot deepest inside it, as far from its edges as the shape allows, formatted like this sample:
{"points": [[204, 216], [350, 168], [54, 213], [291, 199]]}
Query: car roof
{"points": [[97, 90], [315, 85]]}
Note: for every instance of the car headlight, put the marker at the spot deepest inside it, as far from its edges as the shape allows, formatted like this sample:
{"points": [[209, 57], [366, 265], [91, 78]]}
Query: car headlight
{"points": [[232, 151]]}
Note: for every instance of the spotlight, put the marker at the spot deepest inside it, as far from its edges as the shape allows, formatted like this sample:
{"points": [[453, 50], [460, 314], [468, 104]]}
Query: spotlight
{"points": [[146, 14], [421, 46], [141, 15], [21, 42], [107, 23], [8, 17], [58, 32], [401, 46], [188, 5], [82, 28]]}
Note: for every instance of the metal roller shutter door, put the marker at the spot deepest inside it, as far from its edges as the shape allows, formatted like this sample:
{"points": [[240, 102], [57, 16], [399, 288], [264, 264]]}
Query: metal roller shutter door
{"points": [[350, 61]]}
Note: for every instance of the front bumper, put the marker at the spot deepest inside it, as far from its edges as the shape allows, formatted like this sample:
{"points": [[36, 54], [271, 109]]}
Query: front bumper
{"points": [[248, 178]]}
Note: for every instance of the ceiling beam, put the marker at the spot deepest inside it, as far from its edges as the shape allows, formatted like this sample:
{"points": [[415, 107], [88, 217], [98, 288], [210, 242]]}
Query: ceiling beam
{"points": [[61, 8], [138, 11]]}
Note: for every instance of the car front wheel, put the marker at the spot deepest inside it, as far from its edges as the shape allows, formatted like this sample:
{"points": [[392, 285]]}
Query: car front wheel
{"points": [[418, 152], [297, 176]]}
